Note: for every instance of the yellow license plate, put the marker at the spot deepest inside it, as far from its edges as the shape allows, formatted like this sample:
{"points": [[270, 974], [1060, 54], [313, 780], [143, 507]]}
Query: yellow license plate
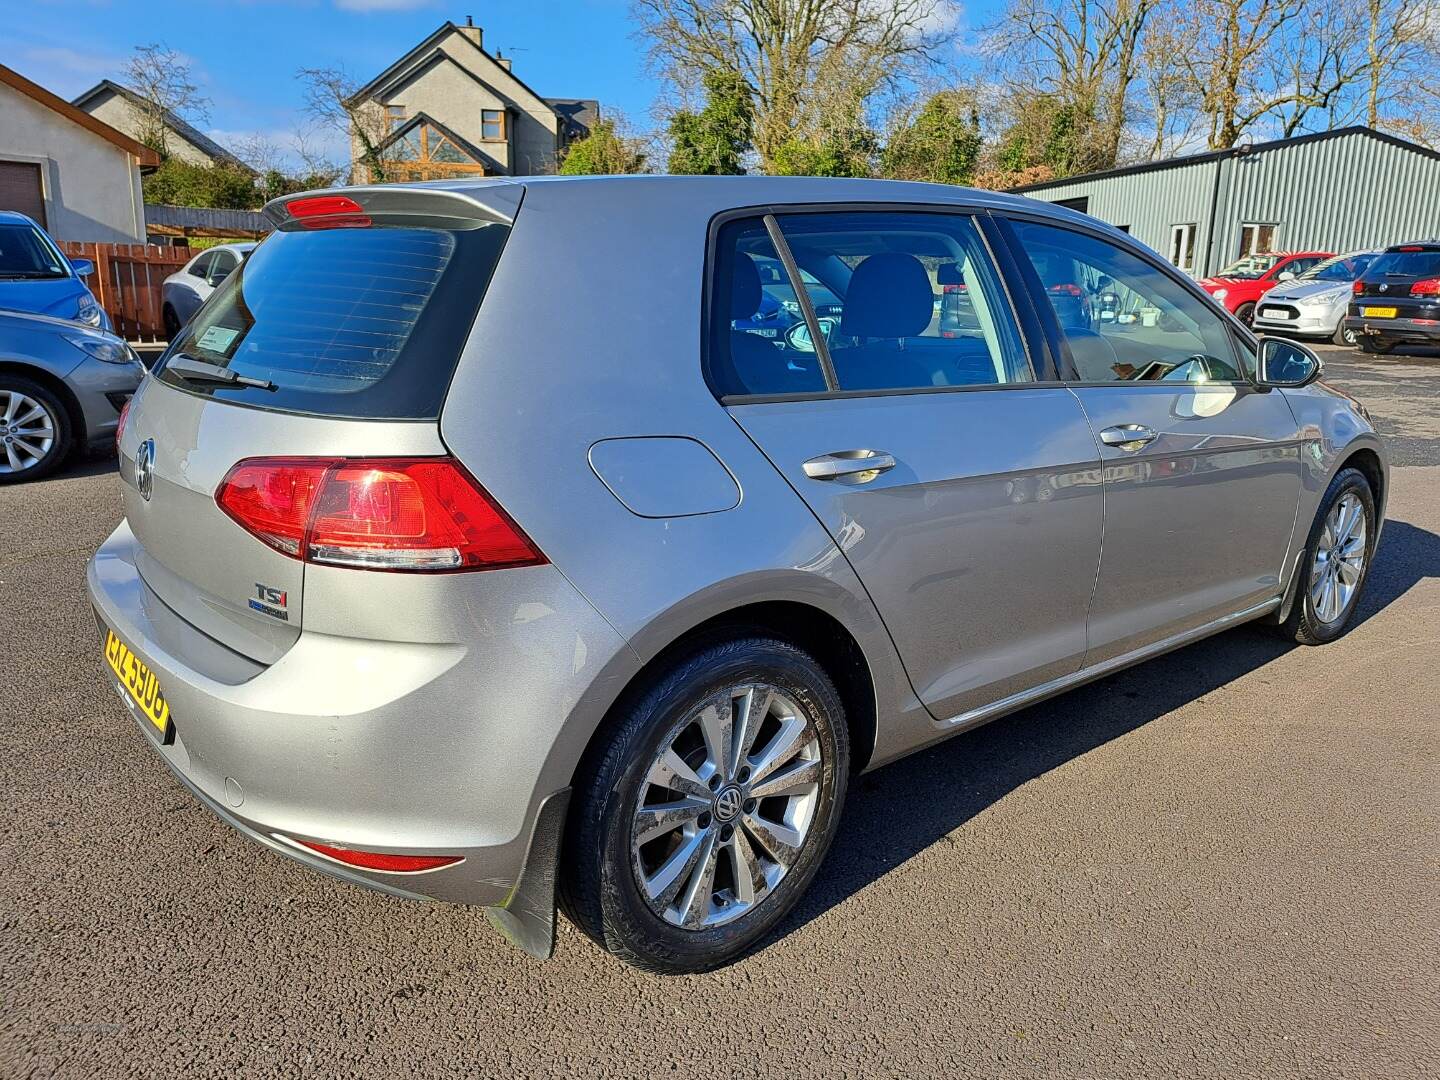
{"points": [[139, 682], [1378, 312]]}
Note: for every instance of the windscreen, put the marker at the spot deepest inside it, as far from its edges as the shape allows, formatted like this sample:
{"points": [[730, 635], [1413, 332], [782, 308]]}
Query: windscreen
{"points": [[354, 322], [24, 253]]}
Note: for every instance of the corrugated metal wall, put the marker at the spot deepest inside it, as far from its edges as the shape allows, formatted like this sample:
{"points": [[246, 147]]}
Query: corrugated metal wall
{"points": [[1339, 194]]}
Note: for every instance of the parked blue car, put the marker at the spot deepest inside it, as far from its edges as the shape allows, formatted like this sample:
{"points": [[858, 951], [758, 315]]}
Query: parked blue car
{"points": [[36, 277]]}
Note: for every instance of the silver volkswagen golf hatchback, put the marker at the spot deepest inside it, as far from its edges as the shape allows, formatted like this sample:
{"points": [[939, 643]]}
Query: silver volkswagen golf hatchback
{"points": [[573, 543]]}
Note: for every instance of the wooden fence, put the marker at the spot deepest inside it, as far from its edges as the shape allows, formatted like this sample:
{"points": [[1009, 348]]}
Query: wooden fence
{"points": [[127, 282]]}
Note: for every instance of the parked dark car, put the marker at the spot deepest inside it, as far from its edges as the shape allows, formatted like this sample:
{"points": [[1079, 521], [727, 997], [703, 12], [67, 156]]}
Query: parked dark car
{"points": [[1398, 298]]}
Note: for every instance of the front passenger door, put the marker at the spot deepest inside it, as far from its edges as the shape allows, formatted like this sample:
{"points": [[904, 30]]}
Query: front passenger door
{"points": [[1202, 470]]}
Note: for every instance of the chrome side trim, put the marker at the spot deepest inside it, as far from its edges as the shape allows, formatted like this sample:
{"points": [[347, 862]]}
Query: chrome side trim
{"points": [[976, 717]]}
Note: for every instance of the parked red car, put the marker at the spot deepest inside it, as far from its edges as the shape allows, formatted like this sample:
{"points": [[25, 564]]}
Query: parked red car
{"points": [[1244, 281]]}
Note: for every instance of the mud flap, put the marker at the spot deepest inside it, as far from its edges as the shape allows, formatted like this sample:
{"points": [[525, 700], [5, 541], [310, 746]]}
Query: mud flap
{"points": [[527, 917]]}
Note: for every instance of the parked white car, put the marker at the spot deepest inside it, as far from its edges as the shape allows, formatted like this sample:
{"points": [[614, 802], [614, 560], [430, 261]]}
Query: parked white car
{"points": [[185, 290], [1314, 304]]}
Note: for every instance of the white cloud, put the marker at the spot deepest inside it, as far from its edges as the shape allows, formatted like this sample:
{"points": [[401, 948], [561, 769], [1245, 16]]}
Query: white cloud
{"points": [[383, 5], [67, 71]]}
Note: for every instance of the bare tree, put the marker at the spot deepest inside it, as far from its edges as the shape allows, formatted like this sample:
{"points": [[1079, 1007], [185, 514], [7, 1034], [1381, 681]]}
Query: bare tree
{"points": [[1402, 37], [804, 61], [331, 100], [164, 82], [1084, 57]]}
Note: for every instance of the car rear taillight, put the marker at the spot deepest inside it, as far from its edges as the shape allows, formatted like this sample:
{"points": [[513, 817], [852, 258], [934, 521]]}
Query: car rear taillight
{"points": [[120, 424], [379, 860], [1425, 287], [1357, 288], [412, 514]]}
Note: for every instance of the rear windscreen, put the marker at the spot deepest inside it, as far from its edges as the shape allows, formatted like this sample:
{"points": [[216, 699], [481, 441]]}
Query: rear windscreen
{"points": [[354, 322], [1406, 264]]}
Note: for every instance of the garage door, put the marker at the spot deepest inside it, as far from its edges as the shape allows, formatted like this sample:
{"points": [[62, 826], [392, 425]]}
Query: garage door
{"points": [[20, 189]]}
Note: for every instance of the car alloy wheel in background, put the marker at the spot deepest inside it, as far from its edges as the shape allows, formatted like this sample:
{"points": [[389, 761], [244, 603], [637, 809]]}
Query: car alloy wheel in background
{"points": [[29, 431]]}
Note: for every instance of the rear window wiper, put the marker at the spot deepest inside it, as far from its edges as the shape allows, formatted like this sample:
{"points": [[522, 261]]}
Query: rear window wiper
{"points": [[198, 371]]}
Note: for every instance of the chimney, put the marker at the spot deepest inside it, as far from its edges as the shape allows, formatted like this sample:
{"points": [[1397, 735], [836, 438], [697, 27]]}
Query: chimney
{"points": [[473, 32], [502, 60]]}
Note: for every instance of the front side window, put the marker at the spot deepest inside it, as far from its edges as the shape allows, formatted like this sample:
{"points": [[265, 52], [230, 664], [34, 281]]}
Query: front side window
{"points": [[201, 267], [1122, 318]]}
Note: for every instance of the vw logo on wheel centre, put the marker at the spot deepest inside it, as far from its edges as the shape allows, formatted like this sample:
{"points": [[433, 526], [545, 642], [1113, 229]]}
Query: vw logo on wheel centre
{"points": [[727, 803], [145, 468]]}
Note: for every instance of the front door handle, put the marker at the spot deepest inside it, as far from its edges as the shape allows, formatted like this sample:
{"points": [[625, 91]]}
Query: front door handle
{"points": [[852, 466], [1128, 436]]}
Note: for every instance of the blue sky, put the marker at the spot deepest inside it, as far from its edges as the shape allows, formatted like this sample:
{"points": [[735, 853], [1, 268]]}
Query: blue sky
{"points": [[245, 52]]}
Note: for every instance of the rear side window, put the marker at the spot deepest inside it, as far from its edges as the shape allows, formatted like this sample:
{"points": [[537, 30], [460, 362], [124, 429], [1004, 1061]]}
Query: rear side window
{"points": [[365, 322], [1406, 264]]}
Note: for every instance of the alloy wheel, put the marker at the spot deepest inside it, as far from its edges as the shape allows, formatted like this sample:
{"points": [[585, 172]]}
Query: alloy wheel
{"points": [[27, 432], [726, 807], [1339, 559]]}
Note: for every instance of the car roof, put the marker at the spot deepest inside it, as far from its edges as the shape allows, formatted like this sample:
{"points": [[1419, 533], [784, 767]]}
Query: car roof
{"points": [[1423, 245], [17, 216]]}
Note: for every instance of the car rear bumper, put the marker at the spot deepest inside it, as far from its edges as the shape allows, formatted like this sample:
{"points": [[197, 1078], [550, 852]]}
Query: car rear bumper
{"points": [[454, 752], [1422, 330]]}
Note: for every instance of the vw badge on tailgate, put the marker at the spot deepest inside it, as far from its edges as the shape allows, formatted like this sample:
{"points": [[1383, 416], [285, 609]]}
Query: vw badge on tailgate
{"points": [[145, 468]]}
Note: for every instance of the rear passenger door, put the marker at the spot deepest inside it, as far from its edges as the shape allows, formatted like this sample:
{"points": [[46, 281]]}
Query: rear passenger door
{"points": [[1202, 469], [909, 417]]}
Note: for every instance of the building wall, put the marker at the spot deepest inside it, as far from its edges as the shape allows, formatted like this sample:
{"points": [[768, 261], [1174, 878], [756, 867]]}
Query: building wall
{"points": [[92, 186], [125, 117], [1337, 194]]}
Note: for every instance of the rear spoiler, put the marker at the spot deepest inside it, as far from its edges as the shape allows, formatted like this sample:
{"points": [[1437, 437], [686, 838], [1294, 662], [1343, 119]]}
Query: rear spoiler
{"points": [[486, 200]]}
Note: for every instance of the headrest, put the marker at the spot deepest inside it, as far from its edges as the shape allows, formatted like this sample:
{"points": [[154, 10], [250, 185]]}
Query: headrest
{"points": [[745, 289], [889, 297], [948, 273]]}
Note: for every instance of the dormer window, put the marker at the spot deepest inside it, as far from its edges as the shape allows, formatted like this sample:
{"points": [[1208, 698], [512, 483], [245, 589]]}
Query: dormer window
{"points": [[492, 125]]}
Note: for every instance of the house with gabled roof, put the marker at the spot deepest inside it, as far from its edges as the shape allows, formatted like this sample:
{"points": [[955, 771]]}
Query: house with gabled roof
{"points": [[449, 108], [124, 110]]}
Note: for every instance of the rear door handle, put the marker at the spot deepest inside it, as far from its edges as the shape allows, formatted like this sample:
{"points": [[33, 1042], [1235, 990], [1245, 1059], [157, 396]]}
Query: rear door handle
{"points": [[853, 466], [1128, 436]]}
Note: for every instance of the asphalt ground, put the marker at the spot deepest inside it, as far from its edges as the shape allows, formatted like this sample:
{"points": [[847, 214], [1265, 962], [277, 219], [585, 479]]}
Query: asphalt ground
{"points": [[1220, 864]]}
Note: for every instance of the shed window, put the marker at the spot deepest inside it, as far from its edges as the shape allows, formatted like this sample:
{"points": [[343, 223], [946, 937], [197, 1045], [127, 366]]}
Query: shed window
{"points": [[1257, 237], [1182, 247]]}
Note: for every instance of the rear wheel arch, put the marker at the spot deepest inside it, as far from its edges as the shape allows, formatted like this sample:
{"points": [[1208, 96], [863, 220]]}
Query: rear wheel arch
{"points": [[809, 628], [56, 386]]}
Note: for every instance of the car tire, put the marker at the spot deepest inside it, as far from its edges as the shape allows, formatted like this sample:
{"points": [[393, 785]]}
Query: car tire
{"points": [[28, 411], [1345, 336], [171, 321], [1246, 314], [1318, 616], [664, 903], [1377, 346]]}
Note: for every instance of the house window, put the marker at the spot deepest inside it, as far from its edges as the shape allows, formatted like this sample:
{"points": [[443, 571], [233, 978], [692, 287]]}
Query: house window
{"points": [[492, 125], [1255, 238], [1182, 247], [395, 115]]}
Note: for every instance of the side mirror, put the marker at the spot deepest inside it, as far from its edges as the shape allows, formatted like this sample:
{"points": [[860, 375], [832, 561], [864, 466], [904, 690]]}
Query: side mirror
{"points": [[82, 267], [1287, 363]]}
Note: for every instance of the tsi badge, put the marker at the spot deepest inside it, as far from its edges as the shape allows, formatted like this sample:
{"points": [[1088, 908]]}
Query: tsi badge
{"points": [[270, 602]]}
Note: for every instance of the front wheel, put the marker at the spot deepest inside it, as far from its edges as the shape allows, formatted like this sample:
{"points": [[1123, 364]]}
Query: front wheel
{"points": [[1375, 345], [1345, 336], [34, 430], [1336, 562], [1246, 314], [703, 814]]}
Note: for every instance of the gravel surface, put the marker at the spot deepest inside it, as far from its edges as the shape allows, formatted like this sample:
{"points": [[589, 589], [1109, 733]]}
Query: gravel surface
{"points": [[1221, 864]]}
